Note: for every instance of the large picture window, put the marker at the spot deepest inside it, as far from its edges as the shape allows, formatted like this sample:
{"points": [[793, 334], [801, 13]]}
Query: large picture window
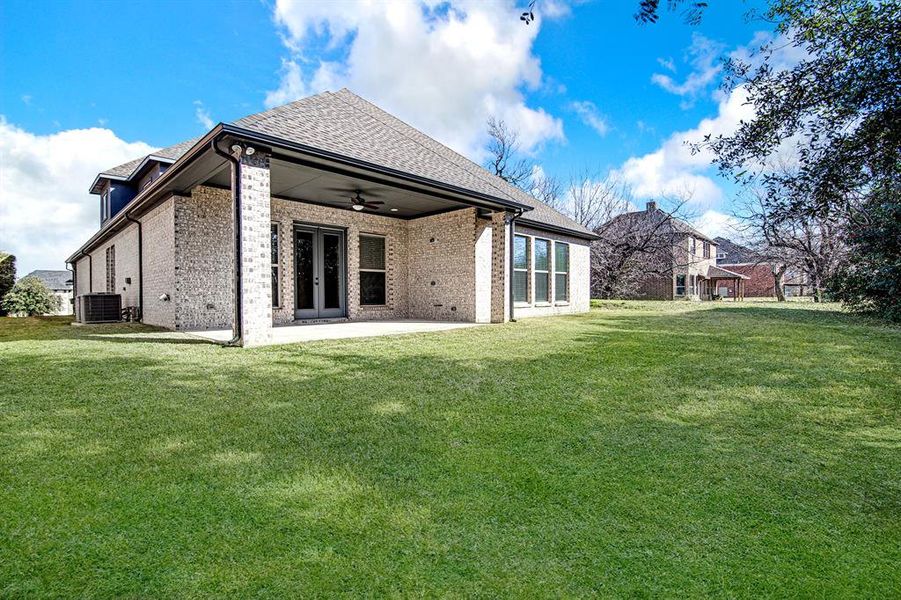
{"points": [[542, 270], [372, 270], [276, 300], [561, 272], [521, 268]]}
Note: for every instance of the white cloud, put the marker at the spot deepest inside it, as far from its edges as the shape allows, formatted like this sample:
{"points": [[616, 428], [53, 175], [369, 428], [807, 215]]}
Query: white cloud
{"points": [[442, 67], [713, 224], [668, 64], [590, 115], [202, 114], [704, 57], [46, 212], [672, 170]]}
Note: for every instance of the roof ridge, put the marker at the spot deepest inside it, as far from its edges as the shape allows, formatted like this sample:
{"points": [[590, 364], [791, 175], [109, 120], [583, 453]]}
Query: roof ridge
{"points": [[415, 141]]}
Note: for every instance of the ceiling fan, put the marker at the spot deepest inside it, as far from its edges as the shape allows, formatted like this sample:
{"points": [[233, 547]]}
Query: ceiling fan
{"points": [[357, 202]]}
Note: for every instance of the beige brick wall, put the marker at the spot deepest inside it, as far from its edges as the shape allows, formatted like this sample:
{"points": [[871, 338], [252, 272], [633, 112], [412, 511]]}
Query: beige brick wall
{"points": [[158, 231], [442, 266], [204, 259], [126, 243], [82, 276]]}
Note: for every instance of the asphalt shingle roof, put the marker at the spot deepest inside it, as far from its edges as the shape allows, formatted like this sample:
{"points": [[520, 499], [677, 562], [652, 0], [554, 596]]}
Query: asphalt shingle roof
{"points": [[346, 124], [54, 280]]}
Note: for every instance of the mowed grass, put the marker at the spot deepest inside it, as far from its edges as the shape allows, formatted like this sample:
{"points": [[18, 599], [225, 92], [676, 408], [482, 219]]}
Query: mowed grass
{"points": [[642, 449]]}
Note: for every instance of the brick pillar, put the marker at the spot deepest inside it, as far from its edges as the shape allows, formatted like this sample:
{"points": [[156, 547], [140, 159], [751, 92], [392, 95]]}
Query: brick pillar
{"points": [[256, 258], [500, 258]]}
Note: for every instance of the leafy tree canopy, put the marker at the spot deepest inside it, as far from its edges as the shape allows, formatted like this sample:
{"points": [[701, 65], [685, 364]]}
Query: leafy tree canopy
{"points": [[30, 297]]}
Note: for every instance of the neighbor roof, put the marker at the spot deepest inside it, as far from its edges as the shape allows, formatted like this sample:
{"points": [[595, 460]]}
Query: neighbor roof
{"points": [[346, 124], [54, 280], [720, 272], [735, 253], [669, 222]]}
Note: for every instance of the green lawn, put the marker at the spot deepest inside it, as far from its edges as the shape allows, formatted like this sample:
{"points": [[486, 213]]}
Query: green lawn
{"points": [[643, 449]]}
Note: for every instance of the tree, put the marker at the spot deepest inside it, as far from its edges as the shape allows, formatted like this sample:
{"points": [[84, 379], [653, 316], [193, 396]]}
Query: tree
{"points": [[838, 111], [7, 275], [811, 243], [30, 297], [504, 160], [648, 11]]}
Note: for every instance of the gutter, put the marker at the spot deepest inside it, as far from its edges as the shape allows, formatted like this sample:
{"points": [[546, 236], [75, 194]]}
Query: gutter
{"points": [[128, 217], [236, 202], [560, 230], [510, 270]]}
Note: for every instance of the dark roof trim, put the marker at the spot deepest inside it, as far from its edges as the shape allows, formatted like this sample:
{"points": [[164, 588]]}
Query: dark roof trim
{"points": [[274, 142], [556, 229], [147, 159]]}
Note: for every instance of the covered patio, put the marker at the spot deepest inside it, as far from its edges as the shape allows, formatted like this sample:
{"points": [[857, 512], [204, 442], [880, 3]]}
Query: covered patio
{"points": [[717, 274]]}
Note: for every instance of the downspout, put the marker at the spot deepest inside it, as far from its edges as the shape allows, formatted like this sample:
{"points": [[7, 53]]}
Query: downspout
{"points": [[90, 273], [140, 266], [236, 201], [512, 240], [74, 283]]}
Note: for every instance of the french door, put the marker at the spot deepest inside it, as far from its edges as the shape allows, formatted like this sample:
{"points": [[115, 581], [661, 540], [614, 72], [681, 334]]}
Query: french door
{"points": [[319, 272]]}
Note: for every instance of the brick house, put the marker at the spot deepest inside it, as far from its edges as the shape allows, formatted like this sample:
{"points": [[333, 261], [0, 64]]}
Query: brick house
{"points": [[761, 281], [343, 212], [681, 262]]}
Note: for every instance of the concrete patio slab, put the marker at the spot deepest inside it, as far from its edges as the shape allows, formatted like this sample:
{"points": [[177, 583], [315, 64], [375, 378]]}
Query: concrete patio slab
{"points": [[291, 334]]}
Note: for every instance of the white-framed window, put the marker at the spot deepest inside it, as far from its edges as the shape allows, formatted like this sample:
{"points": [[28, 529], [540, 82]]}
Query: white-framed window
{"points": [[561, 272], [693, 246], [706, 249], [521, 268], [680, 285], [105, 205], [111, 269], [542, 269], [373, 274], [276, 270]]}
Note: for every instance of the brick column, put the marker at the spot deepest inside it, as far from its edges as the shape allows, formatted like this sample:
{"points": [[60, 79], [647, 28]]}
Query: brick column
{"points": [[500, 258], [256, 258]]}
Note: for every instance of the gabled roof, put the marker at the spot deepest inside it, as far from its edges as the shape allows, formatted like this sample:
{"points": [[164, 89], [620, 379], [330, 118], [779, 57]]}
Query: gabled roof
{"points": [[735, 253], [346, 124], [667, 222], [54, 280]]}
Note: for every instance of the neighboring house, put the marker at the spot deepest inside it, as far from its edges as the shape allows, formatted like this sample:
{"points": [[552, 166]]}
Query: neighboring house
{"points": [[60, 283], [761, 281], [343, 211], [681, 262]]}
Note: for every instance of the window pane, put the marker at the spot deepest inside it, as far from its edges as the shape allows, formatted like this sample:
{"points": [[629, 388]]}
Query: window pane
{"points": [[520, 286], [520, 252], [372, 252], [331, 271], [274, 243], [561, 258], [372, 288], [561, 283], [542, 250], [275, 286], [303, 264], [541, 287]]}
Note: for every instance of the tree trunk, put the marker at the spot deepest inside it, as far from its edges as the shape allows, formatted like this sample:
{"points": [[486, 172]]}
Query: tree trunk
{"points": [[778, 282]]}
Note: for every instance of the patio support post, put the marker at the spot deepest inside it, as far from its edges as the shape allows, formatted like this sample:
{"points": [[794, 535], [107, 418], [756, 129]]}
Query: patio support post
{"points": [[499, 262], [255, 240]]}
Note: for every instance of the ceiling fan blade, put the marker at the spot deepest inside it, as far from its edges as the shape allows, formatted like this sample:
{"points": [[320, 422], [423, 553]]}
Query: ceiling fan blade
{"points": [[353, 191]]}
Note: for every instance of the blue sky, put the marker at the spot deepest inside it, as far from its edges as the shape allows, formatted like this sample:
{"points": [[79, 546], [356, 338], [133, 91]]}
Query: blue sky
{"points": [[86, 85]]}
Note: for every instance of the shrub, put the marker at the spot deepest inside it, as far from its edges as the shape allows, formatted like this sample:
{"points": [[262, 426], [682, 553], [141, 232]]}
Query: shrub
{"points": [[30, 297], [7, 276]]}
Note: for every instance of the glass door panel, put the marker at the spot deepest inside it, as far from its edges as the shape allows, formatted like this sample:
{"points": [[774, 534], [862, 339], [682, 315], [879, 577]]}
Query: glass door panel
{"points": [[319, 273]]}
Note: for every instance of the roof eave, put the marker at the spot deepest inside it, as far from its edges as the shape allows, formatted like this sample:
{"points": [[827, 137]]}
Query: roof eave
{"points": [[585, 235]]}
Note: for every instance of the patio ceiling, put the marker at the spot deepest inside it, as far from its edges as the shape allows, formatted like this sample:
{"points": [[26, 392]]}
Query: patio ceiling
{"points": [[305, 183]]}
